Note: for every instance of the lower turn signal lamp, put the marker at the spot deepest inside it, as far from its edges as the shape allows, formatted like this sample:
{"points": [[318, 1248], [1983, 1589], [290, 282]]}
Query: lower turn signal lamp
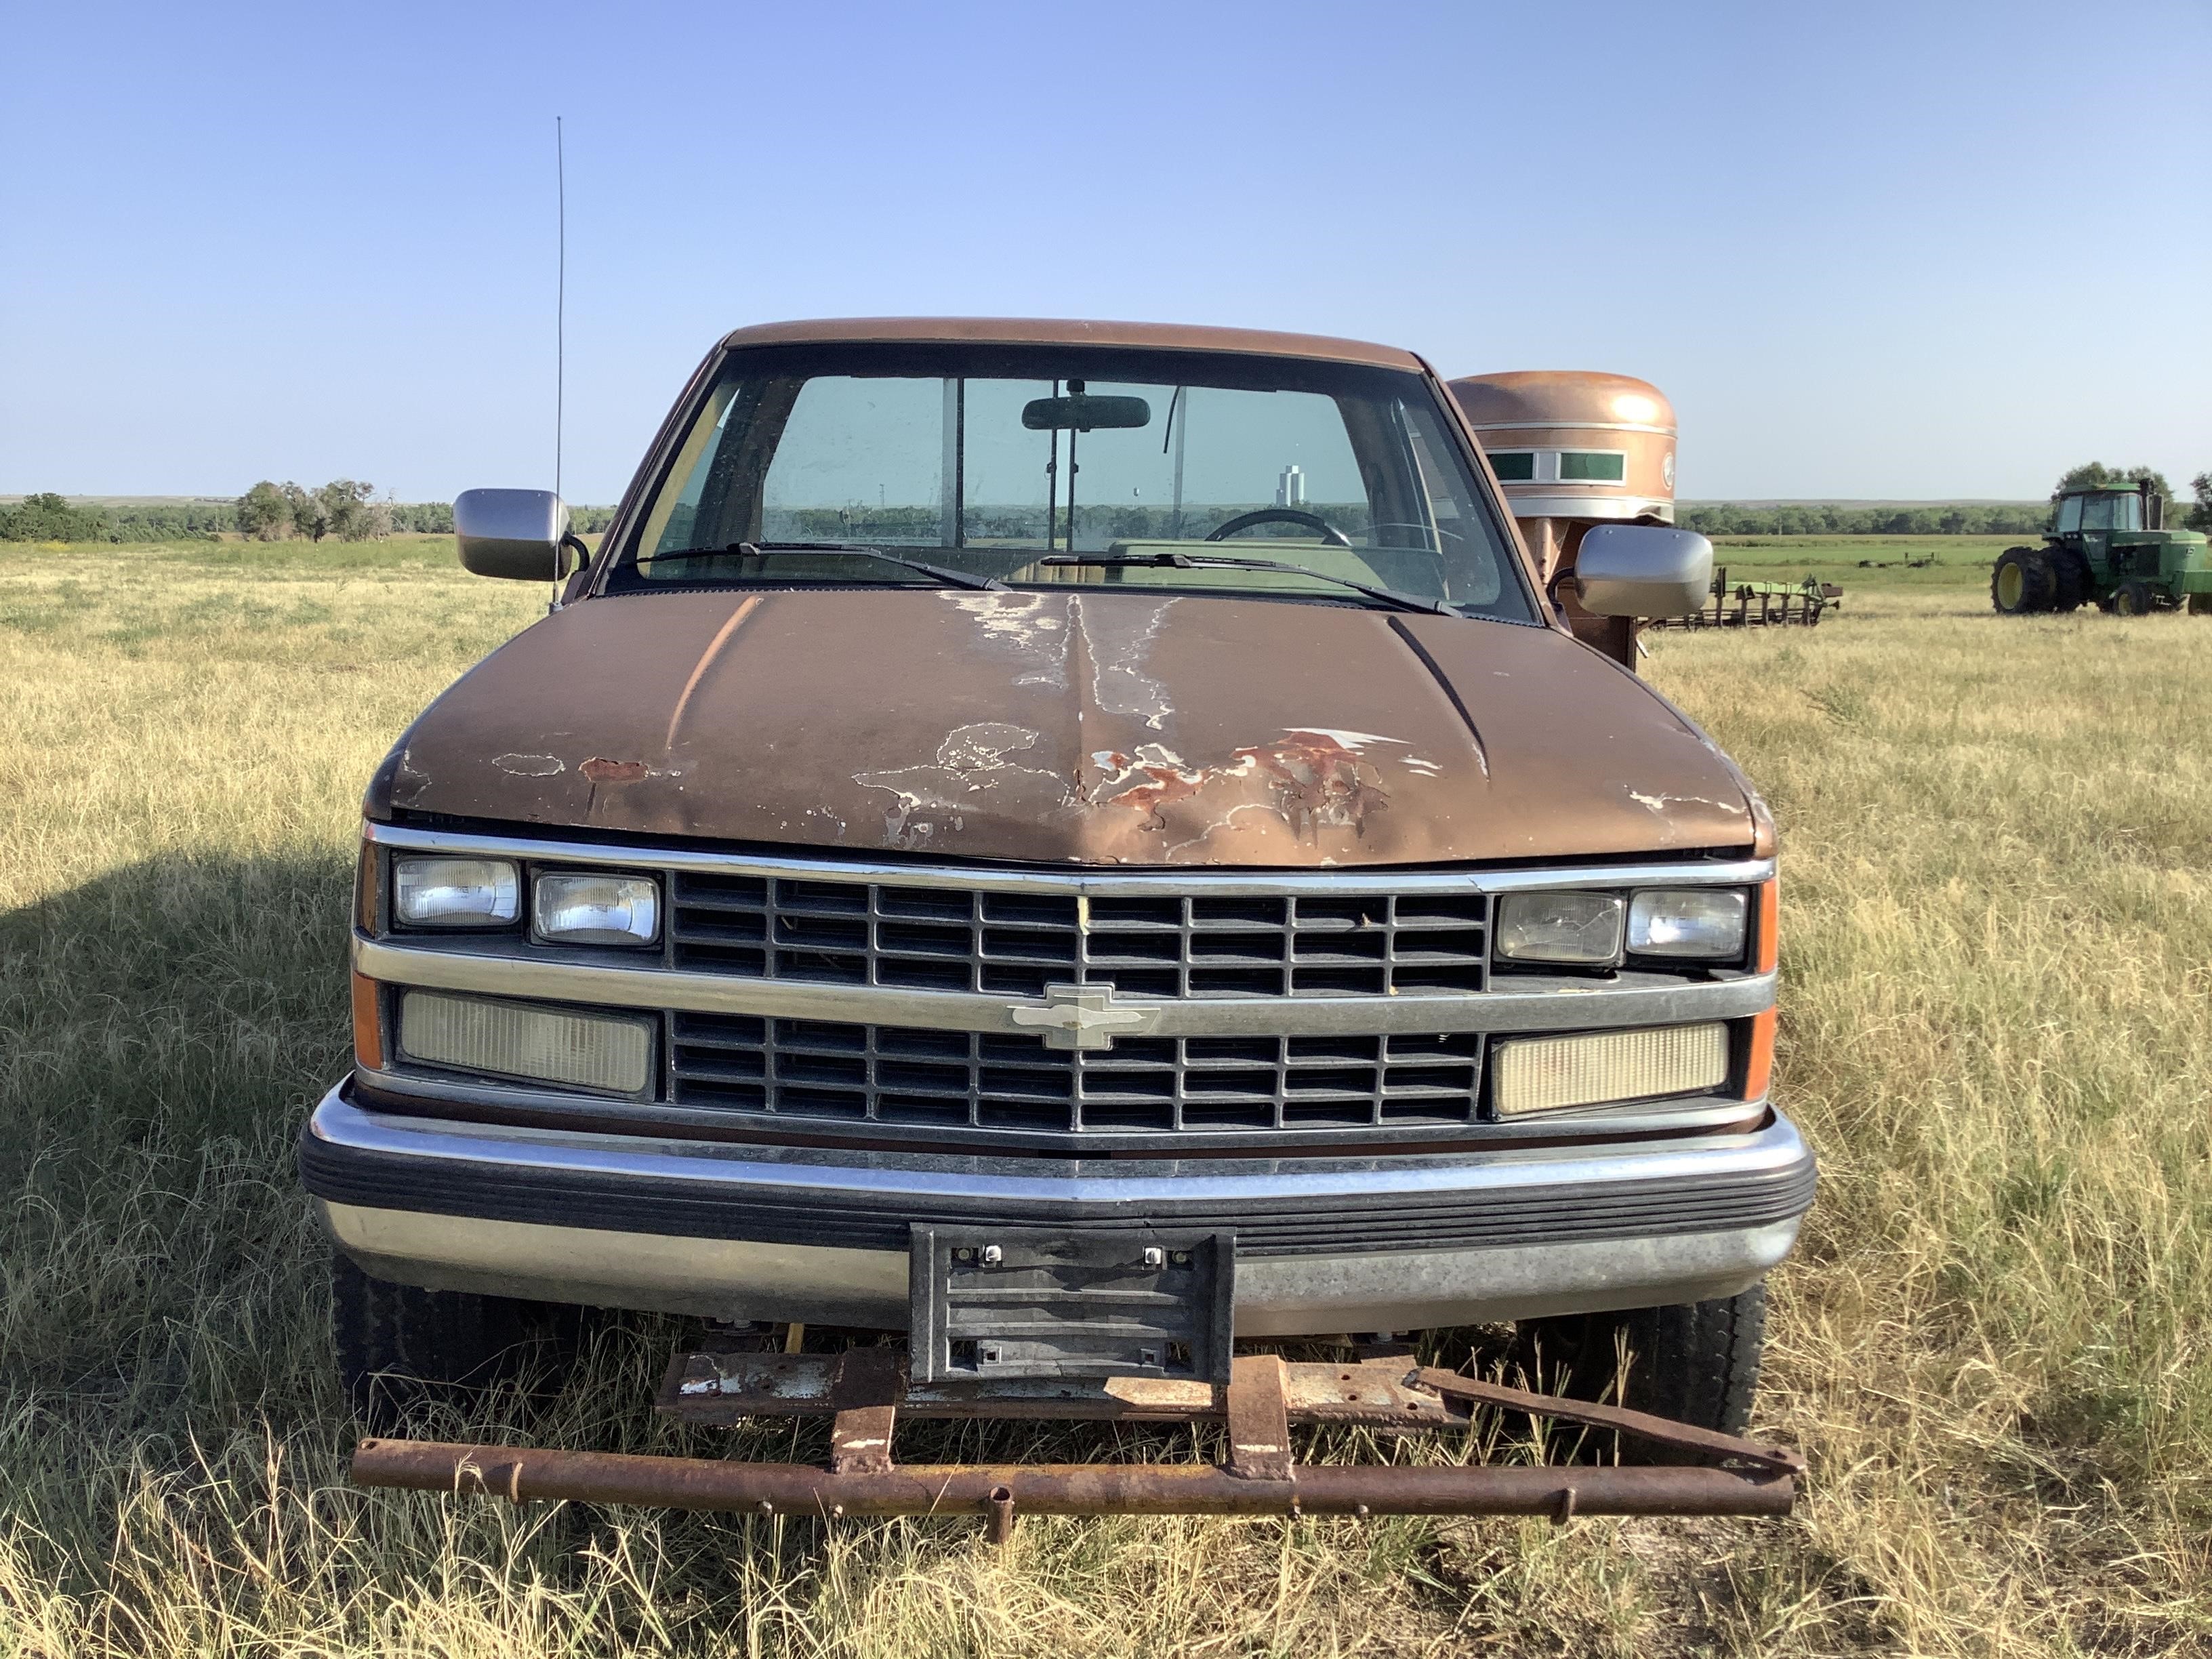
{"points": [[1547, 1074], [547, 1045]]}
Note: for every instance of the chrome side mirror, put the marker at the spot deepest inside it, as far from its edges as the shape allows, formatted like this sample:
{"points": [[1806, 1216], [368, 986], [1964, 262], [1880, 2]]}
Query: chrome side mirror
{"points": [[1643, 570], [519, 534]]}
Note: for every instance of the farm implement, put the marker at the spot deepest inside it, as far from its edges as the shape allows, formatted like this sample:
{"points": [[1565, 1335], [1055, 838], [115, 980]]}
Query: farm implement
{"points": [[1759, 604], [866, 1392]]}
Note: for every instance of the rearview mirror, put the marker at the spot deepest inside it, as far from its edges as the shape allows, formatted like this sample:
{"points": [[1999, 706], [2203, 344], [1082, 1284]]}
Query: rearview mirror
{"points": [[1083, 413], [519, 534], [1643, 570]]}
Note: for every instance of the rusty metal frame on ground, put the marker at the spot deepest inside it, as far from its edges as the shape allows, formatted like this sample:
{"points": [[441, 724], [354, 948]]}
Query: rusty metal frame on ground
{"points": [[865, 1390], [1761, 604]]}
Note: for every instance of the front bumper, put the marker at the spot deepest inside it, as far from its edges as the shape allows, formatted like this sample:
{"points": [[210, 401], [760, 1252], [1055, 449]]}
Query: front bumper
{"points": [[1323, 1245]]}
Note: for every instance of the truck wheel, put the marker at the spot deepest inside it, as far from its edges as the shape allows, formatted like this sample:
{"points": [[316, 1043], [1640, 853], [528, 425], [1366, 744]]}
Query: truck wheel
{"points": [[2022, 581], [2069, 584], [2133, 599], [1697, 1362], [2200, 604], [401, 1348]]}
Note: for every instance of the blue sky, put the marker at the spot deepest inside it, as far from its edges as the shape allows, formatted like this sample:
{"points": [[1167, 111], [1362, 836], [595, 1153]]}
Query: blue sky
{"points": [[1870, 251]]}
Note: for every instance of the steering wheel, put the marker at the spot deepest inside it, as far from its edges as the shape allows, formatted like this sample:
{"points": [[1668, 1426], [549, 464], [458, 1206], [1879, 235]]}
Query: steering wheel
{"points": [[1329, 533]]}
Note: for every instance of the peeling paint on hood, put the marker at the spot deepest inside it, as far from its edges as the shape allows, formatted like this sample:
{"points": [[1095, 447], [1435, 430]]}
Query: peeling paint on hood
{"points": [[1087, 726]]}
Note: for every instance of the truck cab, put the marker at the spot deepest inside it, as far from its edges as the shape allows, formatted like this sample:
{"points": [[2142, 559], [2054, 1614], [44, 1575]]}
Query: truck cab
{"points": [[963, 790]]}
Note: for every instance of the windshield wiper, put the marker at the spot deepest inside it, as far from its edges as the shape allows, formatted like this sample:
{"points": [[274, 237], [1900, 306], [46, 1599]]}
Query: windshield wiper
{"points": [[754, 549], [1215, 562]]}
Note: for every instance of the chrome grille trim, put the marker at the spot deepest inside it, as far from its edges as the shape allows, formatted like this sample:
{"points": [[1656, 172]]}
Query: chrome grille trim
{"points": [[512, 969], [1676, 873]]}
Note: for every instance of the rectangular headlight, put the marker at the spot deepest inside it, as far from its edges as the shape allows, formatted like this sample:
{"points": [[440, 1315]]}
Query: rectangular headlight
{"points": [[1543, 1074], [1705, 923], [1583, 929], [596, 910], [548, 1045], [455, 892]]}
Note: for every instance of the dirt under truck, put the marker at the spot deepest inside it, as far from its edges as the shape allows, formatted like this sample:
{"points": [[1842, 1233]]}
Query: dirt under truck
{"points": [[1062, 857]]}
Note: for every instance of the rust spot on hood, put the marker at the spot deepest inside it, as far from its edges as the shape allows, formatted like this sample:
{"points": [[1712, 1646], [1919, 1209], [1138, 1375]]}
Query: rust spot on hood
{"points": [[600, 770], [1310, 779]]}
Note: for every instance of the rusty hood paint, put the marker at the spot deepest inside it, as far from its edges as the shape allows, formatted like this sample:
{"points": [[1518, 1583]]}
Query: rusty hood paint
{"points": [[1067, 725]]}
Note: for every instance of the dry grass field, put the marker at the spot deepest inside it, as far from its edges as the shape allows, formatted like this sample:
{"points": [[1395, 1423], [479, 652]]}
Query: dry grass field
{"points": [[1995, 1343]]}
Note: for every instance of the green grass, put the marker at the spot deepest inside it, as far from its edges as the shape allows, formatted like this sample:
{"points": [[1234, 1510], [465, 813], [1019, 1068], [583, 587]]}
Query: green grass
{"points": [[1995, 1342], [1867, 565]]}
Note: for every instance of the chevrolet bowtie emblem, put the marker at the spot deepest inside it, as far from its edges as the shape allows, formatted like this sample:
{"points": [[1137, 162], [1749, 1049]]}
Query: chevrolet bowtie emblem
{"points": [[1084, 1015]]}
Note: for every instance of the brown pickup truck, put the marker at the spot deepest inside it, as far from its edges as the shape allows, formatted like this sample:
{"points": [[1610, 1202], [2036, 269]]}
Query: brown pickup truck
{"points": [[1085, 793]]}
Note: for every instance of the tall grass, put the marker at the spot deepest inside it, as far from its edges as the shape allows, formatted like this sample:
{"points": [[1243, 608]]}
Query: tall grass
{"points": [[1993, 1341]]}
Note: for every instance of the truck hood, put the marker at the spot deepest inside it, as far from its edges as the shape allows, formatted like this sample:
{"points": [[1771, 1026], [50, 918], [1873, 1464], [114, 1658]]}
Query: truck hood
{"points": [[1083, 726]]}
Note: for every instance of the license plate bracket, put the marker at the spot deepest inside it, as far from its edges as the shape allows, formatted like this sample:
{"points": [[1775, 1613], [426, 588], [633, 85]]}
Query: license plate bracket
{"points": [[991, 1302]]}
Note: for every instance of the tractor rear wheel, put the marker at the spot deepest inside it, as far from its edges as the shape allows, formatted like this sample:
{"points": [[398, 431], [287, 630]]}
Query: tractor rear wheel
{"points": [[2069, 579], [2133, 599], [2022, 581]]}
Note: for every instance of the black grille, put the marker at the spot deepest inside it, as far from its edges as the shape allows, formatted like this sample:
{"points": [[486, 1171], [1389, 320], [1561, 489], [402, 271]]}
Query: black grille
{"points": [[954, 938], [816, 1070]]}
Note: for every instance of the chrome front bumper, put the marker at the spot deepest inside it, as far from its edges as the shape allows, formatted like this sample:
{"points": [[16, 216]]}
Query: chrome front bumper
{"points": [[1323, 1245]]}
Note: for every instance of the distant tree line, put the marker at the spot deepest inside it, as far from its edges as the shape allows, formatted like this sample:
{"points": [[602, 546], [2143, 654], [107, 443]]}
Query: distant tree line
{"points": [[348, 510], [345, 508], [50, 518], [1815, 519], [1940, 518]]}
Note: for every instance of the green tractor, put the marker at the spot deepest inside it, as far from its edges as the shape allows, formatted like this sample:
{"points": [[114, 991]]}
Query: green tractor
{"points": [[2109, 547]]}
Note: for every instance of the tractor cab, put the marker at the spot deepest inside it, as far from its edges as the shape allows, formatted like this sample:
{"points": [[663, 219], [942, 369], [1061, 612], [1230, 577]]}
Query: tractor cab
{"points": [[2093, 512]]}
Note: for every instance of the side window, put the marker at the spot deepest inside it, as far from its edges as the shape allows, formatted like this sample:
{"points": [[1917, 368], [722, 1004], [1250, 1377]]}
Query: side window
{"points": [[1513, 465], [2127, 512], [1593, 465], [2069, 515]]}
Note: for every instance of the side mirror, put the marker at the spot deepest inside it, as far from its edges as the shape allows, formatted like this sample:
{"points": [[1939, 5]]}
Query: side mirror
{"points": [[519, 534], [1643, 570]]}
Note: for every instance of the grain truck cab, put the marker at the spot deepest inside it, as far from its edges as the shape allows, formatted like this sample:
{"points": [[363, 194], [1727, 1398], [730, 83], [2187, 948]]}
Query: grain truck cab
{"points": [[1075, 791]]}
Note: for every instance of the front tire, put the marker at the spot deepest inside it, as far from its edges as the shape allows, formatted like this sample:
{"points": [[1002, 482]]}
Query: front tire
{"points": [[401, 1349], [2133, 599], [1697, 1362]]}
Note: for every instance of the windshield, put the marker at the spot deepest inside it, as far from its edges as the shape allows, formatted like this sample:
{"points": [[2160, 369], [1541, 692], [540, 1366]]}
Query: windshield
{"points": [[1049, 466]]}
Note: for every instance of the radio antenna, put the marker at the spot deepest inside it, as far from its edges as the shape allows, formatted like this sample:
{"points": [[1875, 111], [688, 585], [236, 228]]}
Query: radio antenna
{"points": [[559, 319], [559, 295]]}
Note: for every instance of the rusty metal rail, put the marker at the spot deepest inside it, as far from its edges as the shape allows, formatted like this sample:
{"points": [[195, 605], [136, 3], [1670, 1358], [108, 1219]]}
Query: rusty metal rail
{"points": [[524, 1472], [865, 1391]]}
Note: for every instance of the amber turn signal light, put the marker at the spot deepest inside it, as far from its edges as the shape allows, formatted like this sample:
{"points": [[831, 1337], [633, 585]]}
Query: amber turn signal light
{"points": [[368, 1024], [1758, 1064]]}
